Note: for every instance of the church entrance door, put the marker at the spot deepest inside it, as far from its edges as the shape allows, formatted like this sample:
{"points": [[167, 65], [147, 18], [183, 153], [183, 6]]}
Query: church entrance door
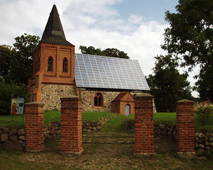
{"points": [[127, 110]]}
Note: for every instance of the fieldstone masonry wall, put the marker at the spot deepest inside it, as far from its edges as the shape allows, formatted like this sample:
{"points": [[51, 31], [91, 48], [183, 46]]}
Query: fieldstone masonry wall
{"points": [[185, 127], [88, 101], [51, 94], [34, 126], [71, 125], [144, 126]]}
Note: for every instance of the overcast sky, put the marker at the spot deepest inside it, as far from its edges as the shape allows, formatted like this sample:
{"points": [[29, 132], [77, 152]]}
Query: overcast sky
{"points": [[133, 26]]}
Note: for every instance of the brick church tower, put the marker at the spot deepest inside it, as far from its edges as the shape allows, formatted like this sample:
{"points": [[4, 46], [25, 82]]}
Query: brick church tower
{"points": [[53, 65]]}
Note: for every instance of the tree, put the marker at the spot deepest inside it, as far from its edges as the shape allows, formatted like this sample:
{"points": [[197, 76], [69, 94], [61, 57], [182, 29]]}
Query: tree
{"points": [[8, 91], [167, 85], [190, 36], [7, 54], [205, 83], [112, 52], [91, 50], [22, 64]]}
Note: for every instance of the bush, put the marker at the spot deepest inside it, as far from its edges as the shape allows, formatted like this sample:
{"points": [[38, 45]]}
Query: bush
{"points": [[8, 91], [204, 114]]}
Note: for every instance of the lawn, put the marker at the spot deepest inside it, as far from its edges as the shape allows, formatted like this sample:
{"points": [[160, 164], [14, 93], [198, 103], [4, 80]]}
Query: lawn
{"points": [[117, 123], [49, 116]]}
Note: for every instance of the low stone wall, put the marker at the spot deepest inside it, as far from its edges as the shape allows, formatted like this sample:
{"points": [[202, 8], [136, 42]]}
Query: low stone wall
{"points": [[53, 129], [203, 143], [14, 139]]}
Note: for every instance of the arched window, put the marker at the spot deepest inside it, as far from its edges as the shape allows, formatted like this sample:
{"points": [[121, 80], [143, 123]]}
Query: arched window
{"points": [[65, 62], [98, 100], [50, 64]]}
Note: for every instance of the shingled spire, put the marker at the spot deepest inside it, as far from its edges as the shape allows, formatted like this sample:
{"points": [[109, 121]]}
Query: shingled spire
{"points": [[54, 33]]}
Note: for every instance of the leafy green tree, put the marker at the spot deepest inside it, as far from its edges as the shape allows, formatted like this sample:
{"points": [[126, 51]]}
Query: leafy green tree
{"points": [[190, 36], [7, 54], [112, 52], [22, 64], [90, 50], [167, 85], [8, 91], [205, 83]]}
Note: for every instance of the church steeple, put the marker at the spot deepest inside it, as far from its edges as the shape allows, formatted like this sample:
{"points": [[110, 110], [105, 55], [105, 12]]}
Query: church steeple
{"points": [[54, 33]]}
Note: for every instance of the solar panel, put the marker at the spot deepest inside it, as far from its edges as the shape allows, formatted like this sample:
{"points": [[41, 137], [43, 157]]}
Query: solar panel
{"points": [[92, 71]]}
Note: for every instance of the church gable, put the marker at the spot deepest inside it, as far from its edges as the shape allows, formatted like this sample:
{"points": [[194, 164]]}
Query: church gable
{"points": [[124, 96]]}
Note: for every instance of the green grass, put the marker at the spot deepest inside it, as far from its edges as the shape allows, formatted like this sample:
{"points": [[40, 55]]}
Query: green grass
{"points": [[165, 117], [5, 121], [116, 124], [161, 117], [92, 116], [49, 116], [52, 116]]}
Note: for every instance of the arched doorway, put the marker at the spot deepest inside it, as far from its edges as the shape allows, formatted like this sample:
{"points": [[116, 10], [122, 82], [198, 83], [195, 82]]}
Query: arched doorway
{"points": [[127, 110]]}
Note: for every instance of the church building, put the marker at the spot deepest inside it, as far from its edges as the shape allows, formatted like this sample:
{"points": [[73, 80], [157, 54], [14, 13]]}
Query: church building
{"points": [[105, 84]]}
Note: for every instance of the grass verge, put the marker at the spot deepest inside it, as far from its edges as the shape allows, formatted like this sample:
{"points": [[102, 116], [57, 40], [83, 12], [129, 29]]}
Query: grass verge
{"points": [[55, 116], [49, 116]]}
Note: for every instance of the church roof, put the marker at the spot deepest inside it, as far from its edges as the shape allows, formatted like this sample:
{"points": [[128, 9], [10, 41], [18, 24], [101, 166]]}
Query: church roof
{"points": [[54, 33], [103, 72], [121, 96]]}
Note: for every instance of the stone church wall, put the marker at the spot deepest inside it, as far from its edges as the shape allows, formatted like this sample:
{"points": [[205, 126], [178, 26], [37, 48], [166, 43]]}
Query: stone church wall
{"points": [[51, 95], [88, 101]]}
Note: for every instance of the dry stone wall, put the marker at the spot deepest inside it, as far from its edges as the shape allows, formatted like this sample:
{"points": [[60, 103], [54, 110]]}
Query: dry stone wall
{"points": [[51, 95], [14, 139], [203, 143]]}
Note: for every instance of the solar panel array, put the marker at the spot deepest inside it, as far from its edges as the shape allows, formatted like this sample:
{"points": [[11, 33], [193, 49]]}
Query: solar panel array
{"points": [[93, 71]]}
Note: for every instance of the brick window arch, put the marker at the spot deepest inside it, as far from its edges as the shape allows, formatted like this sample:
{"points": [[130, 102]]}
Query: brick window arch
{"points": [[50, 64], [65, 64], [98, 100]]}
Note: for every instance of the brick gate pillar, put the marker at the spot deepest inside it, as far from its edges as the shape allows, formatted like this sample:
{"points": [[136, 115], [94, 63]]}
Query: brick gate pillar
{"points": [[71, 125], [144, 125], [185, 127], [34, 127]]}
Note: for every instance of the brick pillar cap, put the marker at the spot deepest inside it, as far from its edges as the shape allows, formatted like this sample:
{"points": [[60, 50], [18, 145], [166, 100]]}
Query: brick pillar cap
{"points": [[33, 103], [185, 101], [71, 96]]}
